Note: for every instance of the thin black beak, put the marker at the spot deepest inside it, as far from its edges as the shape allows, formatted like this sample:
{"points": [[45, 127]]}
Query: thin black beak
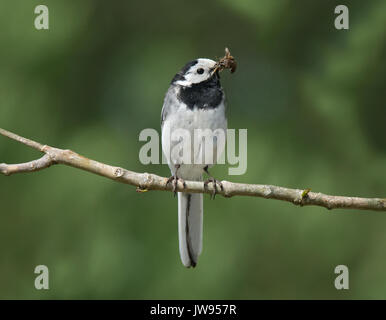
{"points": [[214, 72]]}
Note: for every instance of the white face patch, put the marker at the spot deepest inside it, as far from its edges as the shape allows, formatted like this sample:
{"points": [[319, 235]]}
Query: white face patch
{"points": [[200, 72]]}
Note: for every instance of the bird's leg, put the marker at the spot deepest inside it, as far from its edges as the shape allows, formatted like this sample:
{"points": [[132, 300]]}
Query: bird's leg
{"points": [[174, 180], [214, 181]]}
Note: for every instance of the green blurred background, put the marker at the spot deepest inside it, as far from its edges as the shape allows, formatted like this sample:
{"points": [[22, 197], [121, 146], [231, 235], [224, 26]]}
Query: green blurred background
{"points": [[312, 98]]}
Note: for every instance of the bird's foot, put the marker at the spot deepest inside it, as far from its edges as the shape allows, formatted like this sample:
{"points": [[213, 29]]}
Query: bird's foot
{"points": [[215, 183], [174, 181]]}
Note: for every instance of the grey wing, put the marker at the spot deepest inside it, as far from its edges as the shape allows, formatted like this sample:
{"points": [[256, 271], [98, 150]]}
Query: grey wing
{"points": [[170, 102], [164, 113], [166, 107]]}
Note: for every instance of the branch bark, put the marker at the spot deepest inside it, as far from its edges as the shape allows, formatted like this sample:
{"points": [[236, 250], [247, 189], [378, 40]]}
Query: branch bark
{"points": [[146, 181]]}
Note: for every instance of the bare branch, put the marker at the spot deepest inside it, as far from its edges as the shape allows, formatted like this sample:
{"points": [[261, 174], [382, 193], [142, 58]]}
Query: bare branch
{"points": [[35, 165], [33, 144], [147, 181]]}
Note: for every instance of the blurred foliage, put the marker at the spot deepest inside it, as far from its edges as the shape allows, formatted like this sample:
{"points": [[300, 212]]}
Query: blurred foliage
{"points": [[311, 97]]}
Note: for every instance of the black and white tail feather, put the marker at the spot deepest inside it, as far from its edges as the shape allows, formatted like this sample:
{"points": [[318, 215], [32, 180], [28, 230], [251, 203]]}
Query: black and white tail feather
{"points": [[194, 100], [190, 227]]}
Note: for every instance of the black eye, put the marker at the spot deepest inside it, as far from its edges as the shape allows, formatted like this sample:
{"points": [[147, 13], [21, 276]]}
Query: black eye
{"points": [[200, 70]]}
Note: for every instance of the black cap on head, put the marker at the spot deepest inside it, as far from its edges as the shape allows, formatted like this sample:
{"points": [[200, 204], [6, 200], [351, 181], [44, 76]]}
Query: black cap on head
{"points": [[180, 75]]}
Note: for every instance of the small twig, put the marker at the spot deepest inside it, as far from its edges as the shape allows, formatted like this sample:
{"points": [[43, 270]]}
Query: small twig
{"points": [[147, 182], [35, 165]]}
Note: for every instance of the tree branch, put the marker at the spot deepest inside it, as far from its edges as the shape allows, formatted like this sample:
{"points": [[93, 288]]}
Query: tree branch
{"points": [[147, 181]]}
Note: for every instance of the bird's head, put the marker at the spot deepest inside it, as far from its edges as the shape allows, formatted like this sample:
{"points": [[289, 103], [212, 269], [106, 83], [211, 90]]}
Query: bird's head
{"points": [[195, 72]]}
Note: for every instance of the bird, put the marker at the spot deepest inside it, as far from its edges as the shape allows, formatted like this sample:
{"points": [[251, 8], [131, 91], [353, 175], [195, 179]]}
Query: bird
{"points": [[194, 100]]}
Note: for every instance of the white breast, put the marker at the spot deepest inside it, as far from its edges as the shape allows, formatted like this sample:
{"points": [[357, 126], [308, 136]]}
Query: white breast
{"points": [[181, 117]]}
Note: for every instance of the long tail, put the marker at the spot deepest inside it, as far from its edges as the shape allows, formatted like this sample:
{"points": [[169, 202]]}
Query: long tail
{"points": [[190, 216]]}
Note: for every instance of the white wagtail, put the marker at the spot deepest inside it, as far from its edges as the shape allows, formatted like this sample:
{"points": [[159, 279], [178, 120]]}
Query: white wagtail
{"points": [[194, 100]]}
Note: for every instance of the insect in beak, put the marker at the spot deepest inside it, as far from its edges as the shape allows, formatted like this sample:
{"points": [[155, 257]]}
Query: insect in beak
{"points": [[226, 62]]}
